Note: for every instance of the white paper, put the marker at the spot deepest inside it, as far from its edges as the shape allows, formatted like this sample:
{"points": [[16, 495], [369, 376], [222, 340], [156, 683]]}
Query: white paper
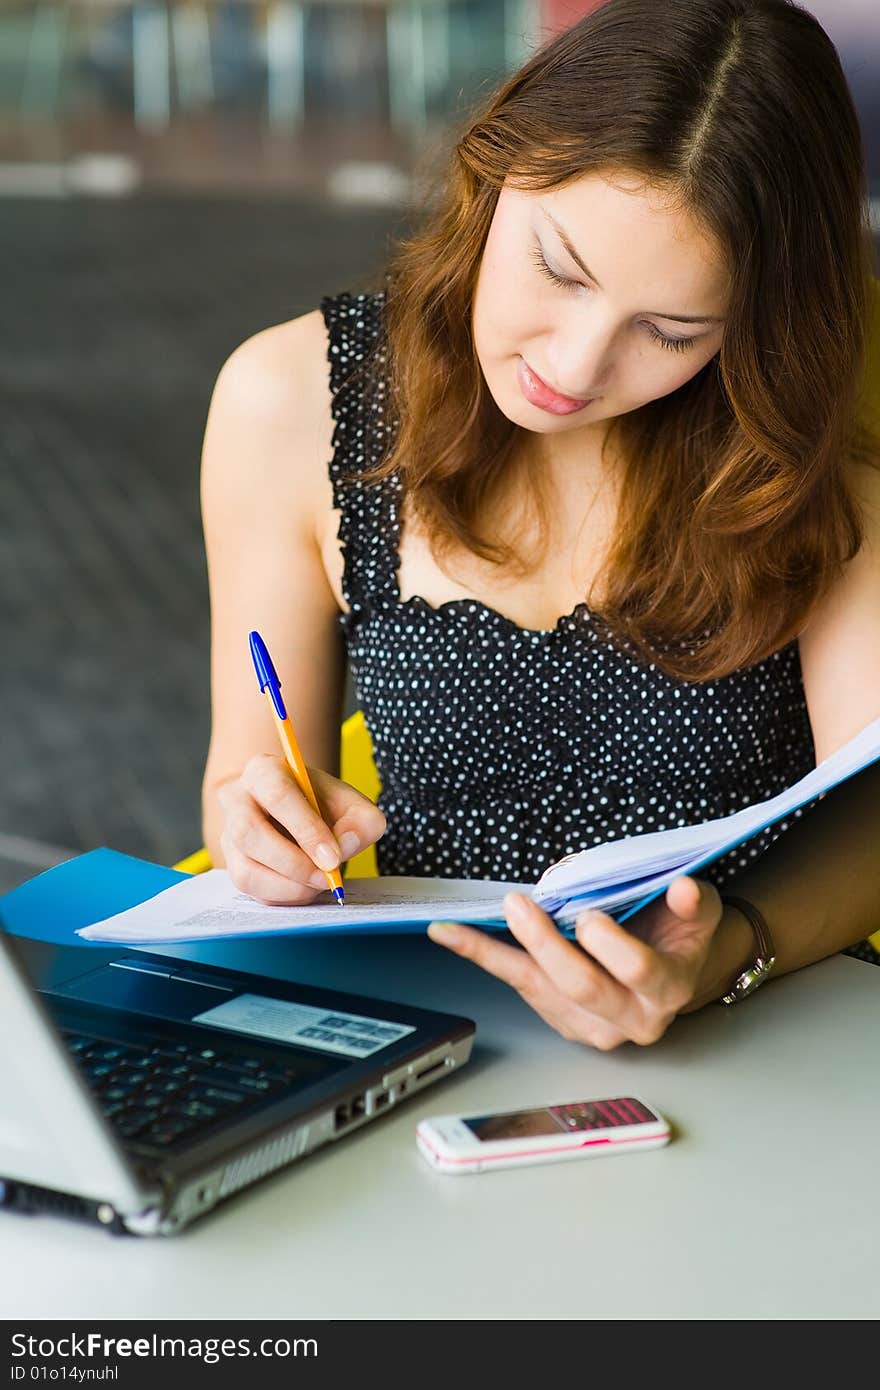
{"points": [[209, 905]]}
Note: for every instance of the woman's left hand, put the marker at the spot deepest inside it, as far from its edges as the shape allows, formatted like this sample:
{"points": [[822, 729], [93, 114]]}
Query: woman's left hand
{"points": [[614, 984]]}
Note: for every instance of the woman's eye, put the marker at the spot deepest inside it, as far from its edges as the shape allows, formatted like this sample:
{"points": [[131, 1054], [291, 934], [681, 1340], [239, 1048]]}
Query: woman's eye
{"points": [[561, 280], [673, 344]]}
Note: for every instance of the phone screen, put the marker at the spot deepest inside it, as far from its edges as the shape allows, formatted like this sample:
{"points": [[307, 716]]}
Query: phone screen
{"points": [[582, 1115], [518, 1124]]}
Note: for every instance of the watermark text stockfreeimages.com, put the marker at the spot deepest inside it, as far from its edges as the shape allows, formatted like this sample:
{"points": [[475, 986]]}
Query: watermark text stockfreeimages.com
{"points": [[94, 1345]]}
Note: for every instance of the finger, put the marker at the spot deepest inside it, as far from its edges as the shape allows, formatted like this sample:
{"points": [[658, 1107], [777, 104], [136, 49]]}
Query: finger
{"points": [[254, 837], [508, 963], [265, 884], [571, 972], [272, 785], [357, 830], [626, 959], [658, 982], [347, 812], [692, 899]]}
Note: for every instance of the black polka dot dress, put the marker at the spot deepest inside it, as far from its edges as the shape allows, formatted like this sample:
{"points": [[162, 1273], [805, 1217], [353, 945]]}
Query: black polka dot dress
{"points": [[501, 749]]}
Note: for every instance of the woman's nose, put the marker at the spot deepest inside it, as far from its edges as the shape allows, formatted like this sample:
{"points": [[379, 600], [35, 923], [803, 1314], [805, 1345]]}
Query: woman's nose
{"points": [[581, 358]]}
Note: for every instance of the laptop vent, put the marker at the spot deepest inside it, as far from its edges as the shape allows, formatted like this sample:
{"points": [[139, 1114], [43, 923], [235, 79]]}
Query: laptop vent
{"points": [[261, 1161]]}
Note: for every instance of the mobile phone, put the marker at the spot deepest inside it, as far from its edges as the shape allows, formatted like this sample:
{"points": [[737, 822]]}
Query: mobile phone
{"points": [[575, 1129]]}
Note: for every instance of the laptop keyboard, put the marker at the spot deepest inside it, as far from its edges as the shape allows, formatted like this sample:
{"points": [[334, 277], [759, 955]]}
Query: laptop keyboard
{"points": [[158, 1094]]}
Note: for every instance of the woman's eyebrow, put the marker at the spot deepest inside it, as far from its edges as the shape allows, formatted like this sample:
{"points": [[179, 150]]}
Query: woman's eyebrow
{"points": [[656, 313]]}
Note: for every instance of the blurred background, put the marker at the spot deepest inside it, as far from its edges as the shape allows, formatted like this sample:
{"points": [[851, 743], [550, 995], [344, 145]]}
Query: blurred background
{"points": [[174, 176]]}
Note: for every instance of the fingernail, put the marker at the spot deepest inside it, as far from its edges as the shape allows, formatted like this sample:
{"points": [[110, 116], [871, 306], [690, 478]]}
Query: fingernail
{"points": [[349, 843], [444, 933], [326, 857]]}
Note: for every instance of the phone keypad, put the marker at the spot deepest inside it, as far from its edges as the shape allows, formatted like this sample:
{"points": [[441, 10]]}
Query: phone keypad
{"points": [[602, 1114]]}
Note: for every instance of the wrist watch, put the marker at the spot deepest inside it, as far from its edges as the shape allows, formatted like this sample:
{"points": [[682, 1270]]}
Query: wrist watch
{"points": [[755, 974]]}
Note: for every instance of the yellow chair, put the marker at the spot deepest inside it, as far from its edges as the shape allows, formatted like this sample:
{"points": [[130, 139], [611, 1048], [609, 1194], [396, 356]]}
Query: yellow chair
{"points": [[356, 766]]}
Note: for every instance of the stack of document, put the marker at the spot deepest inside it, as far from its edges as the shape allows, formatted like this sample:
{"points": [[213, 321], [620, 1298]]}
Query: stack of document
{"points": [[619, 877], [629, 873]]}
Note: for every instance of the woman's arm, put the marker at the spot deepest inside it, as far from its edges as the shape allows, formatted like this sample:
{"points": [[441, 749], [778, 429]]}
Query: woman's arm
{"points": [[818, 886], [840, 648], [261, 492], [266, 499]]}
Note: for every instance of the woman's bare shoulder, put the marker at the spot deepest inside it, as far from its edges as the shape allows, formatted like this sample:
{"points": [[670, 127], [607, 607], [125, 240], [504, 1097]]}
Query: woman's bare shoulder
{"points": [[279, 362], [270, 422]]}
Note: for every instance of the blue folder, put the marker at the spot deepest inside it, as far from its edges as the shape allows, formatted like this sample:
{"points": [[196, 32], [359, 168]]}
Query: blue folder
{"points": [[52, 906]]}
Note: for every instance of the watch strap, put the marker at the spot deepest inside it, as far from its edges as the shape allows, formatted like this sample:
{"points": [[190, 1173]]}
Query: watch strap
{"points": [[756, 973]]}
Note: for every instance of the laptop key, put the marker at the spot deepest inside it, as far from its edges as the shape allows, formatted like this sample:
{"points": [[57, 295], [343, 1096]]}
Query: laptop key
{"points": [[116, 1093], [193, 1109], [108, 1052], [214, 1095], [253, 1085], [98, 1070]]}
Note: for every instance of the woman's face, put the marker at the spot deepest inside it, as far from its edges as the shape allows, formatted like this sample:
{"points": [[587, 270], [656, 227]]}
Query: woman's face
{"points": [[592, 300]]}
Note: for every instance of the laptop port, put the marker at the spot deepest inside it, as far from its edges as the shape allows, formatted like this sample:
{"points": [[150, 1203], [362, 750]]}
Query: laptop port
{"points": [[382, 1099], [358, 1107], [341, 1116], [431, 1071]]}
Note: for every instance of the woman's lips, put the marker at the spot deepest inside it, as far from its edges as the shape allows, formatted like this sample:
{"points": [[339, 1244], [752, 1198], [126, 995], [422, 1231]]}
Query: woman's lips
{"points": [[537, 392]]}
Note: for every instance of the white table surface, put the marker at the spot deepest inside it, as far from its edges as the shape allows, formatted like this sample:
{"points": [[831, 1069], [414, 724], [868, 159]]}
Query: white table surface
{"points": [[765, 1204]]}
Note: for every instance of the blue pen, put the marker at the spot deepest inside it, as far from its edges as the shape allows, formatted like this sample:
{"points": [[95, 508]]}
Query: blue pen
{"points": [[271, 686]]}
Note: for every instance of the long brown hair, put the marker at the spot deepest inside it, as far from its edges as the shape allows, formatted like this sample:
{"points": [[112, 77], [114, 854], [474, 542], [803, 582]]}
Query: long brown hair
{"points": [[735, 511]]}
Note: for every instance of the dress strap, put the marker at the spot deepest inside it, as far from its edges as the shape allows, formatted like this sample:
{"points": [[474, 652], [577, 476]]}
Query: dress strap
{"points": [[368, 511]]}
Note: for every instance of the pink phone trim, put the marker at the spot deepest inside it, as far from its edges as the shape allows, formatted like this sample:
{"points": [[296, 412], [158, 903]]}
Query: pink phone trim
{"points": [[482, 1157]]}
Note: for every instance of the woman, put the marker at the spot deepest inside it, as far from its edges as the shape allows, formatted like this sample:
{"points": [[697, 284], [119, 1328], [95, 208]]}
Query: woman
{"points": [[602, 516]]}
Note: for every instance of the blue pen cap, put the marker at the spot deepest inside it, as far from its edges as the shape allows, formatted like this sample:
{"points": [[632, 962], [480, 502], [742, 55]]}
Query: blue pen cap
{"points": [[266, 673]]}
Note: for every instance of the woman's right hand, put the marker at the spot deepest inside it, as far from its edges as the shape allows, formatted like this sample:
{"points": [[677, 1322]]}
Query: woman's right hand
{"points": [[274, 845]]}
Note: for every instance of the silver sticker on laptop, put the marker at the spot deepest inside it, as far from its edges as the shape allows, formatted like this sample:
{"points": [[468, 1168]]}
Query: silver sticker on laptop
{"points": [[352, 1035]]}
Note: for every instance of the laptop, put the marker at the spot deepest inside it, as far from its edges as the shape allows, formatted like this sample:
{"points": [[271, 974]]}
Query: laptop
{"points": [[139, 1090]]}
